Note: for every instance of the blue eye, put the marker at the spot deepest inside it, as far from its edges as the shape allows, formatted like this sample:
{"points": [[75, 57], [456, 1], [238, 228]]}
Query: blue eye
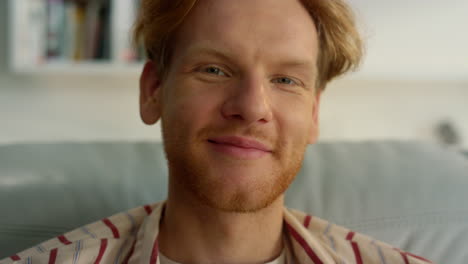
{"points": [[285, 80], [214, 70]]}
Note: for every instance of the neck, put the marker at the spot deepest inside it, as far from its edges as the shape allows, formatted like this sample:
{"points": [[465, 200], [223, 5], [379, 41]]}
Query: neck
{"points": [[191, 232]]}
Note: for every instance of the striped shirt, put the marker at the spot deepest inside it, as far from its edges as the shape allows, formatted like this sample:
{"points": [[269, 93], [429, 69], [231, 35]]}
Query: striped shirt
{"points": [[131, 237]]}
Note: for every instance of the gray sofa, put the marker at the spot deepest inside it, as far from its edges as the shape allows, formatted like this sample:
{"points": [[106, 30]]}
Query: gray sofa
{"points": [[411, 195]]}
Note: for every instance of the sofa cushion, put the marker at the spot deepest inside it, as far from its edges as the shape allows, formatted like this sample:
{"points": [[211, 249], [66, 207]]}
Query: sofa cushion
{"points": [[411, 195]]}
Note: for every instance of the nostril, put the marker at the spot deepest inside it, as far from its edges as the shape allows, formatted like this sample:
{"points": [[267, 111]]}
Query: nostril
{"points": [[237, 116]]}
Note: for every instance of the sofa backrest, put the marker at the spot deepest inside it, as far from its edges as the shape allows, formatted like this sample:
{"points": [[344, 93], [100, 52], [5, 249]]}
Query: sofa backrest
{"points": [[410, 195]]}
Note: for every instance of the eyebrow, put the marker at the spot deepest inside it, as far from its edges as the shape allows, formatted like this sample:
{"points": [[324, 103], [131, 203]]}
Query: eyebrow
{"points": [[300, 64], [202, 50]]}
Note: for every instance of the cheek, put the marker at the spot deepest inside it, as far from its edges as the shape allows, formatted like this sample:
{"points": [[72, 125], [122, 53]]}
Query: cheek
{"points": [[187, 106], [296, 122]]}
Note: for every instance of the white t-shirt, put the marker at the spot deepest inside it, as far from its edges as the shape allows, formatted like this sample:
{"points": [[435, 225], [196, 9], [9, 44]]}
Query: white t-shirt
{"points": [[279, 260]]}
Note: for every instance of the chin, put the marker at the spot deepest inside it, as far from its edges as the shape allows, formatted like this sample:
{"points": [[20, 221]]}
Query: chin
{"points": [[227, 184], [237, 188]]}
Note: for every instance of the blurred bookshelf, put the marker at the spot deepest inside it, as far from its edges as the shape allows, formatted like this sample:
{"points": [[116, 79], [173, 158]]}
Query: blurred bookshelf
{"points": [[73, 36]]}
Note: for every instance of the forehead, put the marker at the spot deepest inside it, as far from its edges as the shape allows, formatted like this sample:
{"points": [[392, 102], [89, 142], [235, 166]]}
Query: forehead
{"points": [[258, 30]]}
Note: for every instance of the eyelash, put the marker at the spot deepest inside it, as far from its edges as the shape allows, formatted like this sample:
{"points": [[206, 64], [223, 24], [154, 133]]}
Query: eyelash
{"points": [[205, 70], [224, 74], [293, 82]]}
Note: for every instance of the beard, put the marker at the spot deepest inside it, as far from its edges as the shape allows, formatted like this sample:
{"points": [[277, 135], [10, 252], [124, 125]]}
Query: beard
{"points": [[208, 178]]}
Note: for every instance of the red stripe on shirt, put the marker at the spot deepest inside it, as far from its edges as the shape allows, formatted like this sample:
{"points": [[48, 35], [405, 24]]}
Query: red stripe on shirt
{"points": [[130, 253], [102, 249], [307, 221], [112, 227], [53, 256], [405, 258], [154, 253], [15, 258], [315, 259], [64, 240], [148, 209], [355, 246], [350, 236], [357, 253], [418, 257]]}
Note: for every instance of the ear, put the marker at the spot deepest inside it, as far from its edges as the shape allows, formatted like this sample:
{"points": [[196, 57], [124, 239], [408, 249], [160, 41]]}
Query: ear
{"points": [[150, 94], [314, 132]]}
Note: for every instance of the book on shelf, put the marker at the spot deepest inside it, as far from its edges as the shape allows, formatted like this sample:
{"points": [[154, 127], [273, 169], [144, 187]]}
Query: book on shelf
{"points": [[55, 32], [29, 36], [73, 31], [124, 14], [140, 53], [78, 30]]}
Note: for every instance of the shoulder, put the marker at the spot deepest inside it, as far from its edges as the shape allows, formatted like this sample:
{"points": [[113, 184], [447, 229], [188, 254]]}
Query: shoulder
{"points": [[343, 244], [113, 231]]}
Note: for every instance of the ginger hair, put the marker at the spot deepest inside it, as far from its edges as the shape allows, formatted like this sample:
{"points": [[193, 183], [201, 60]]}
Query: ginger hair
{"points": [[340, 44]]}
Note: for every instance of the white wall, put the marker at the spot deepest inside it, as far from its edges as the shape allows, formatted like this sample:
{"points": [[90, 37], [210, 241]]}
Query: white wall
{"points": [[414, 39], [70, 108], [82, 107], [406, 110]]}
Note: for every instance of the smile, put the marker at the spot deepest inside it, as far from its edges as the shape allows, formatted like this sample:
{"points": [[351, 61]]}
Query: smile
{"points": [[239, 147]]}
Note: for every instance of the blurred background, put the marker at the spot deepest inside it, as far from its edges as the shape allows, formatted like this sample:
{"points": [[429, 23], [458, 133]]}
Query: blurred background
{"points": [[68, 73]]}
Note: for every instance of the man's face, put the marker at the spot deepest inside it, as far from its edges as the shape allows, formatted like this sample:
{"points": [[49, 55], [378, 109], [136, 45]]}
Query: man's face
{"points": [[239, 103]]}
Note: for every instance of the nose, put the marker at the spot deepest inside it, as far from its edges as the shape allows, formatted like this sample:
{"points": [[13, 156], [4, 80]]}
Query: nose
{"points": [[249, 102]]}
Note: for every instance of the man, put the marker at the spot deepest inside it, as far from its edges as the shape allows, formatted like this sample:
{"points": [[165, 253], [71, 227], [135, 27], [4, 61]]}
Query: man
{"points": [[237, 87]]}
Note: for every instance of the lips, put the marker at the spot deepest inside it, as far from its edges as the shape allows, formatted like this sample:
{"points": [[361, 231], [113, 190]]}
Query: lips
{"points": [[240, 142]]}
